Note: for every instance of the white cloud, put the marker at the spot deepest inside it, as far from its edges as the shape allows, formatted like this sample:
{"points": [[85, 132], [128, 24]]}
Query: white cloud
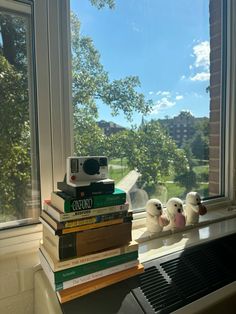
{"points": [[163, 93], [182, 77], [203, 76], [179, 97], [200, 67], [202, 54], [151, 93], [161, 104]]}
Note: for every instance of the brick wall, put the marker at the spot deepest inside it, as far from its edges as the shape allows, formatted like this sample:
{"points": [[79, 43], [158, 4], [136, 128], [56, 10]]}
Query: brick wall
{"points": [[215, 95]]}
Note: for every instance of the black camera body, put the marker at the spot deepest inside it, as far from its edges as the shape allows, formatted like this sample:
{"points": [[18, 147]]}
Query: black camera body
{"points": [[86, 176]]}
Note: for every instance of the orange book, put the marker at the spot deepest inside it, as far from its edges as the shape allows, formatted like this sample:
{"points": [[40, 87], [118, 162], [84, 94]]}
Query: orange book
{"points": [[88, 287]]}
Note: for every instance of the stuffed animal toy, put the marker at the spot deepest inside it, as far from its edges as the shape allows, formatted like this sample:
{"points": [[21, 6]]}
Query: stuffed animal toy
{"points": [[155, 220], [193, 208], [174, 208]]}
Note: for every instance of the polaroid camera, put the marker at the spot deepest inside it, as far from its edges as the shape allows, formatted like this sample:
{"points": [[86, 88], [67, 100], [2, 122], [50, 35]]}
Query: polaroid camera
{"points": [[86, 175], [83, 170]]}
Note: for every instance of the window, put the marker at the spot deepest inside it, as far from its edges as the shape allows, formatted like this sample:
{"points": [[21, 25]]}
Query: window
{"points": [[129, 95], [158, 67], [19, 171], [35, 123]]}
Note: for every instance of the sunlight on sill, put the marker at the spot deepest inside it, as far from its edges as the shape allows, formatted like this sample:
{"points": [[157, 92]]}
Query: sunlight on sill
{"points": [[140, 233], [214, 225]]}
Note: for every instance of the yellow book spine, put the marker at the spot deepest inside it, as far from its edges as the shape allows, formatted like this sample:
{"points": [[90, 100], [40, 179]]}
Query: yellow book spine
{"points": [[93, 226], [76, 223]]}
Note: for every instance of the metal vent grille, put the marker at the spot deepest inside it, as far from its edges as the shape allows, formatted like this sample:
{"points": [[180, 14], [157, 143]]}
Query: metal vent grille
{"points": [[173, 281], [160, 293], [187, 281]]}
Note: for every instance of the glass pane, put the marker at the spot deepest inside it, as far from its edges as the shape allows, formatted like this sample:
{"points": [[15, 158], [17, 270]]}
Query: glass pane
{"points": [[147, 93], [19, 171]]}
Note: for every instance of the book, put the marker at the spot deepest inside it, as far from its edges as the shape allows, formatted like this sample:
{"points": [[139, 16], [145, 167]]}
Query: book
{"points": [[103, 186], [95, 275], [84, 227], [87, 213], [60, 265], [67, 203], [125, 215], [72, 293], [86, 242], [85, 269]]}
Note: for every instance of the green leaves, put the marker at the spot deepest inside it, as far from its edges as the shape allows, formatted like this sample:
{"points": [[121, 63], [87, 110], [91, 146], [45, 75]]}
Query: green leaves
{"points": [[91, 82], [15, 161], [121, 95], [100, 4]]}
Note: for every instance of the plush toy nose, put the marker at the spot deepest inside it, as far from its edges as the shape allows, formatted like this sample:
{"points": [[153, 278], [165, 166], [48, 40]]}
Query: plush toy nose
{"points": [[158, 206], [179, 210]]}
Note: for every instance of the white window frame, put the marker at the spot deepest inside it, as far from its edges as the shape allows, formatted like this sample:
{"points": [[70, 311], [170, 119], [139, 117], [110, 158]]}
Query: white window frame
{"points": [[53, 70], [53, 77], [52, 95], [230, 114]]}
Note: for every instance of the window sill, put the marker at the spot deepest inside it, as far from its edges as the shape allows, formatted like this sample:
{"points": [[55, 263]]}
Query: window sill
{"points": [[20, 240], [215, 224]]}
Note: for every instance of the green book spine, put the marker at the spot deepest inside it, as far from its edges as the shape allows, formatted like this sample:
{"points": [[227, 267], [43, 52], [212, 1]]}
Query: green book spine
{"points": [[85, 269], [69, 204]]}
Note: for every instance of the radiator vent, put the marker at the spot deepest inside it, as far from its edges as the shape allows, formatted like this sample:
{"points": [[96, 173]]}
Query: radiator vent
{"points": [[173, 281], [159, 292]]}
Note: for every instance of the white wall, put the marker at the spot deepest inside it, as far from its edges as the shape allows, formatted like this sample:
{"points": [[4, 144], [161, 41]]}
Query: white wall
{"points": [[18, 261]]}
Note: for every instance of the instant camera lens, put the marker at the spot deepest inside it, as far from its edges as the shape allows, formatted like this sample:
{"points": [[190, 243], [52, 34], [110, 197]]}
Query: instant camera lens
{"points": [[91, 166]]}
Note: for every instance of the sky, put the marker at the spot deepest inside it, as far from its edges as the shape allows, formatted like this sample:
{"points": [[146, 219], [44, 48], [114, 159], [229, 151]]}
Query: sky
{"points": [[163, 42]]}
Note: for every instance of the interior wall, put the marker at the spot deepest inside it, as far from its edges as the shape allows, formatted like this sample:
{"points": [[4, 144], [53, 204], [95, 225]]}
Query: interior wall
{"points": [[18, 262]]}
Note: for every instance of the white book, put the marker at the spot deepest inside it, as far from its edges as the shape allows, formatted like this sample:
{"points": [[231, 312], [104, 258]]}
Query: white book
{"points": [[61, 265], [80, 280]]}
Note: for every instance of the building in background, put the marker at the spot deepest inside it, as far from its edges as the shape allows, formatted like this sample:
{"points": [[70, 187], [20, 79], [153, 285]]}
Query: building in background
{"points": [[182, 128], [110, 127]]}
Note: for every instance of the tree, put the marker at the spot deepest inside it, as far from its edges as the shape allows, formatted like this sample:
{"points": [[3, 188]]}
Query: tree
{"points": [[14, 141], [200, 142], [91, 83], [200, 146], [187, 179], [15, 170], [103, 3], [150, 151]]}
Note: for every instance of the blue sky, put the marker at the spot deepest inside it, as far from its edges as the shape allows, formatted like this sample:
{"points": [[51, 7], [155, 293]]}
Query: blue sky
{"points": [[164, 42]]}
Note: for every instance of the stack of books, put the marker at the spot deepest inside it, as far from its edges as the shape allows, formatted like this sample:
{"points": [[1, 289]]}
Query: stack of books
{"points": [[87, 243]]}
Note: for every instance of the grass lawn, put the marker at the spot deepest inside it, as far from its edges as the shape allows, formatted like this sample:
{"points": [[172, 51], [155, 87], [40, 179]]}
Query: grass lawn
{"points": [[163, 193], [201, 169], [117, 174], [118, 162], [118, 169]]}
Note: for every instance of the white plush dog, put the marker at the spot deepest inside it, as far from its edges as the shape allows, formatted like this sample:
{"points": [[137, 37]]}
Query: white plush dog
{"points": [[193, 208], [174, 208], [155, 220]]}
